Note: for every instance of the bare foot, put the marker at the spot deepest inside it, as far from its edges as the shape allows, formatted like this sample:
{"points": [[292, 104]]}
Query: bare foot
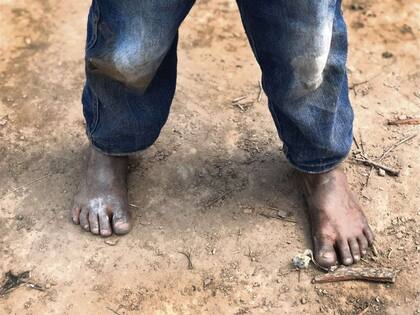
{"points": [[101, 205], [339, 227]]}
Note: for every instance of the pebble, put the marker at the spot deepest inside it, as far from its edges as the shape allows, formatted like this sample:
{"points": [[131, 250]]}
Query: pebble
{"points": [[111, 242], [207, 282], [247, 210], [4, 120], [381, 172]]}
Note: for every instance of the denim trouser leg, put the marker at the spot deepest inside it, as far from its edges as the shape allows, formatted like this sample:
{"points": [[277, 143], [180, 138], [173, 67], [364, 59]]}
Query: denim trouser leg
{"points": [[130, 71], [301, 46]]}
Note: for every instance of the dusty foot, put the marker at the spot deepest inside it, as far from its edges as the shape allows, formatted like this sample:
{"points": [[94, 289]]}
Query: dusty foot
{"points": [[339, 228], [101, 205]]}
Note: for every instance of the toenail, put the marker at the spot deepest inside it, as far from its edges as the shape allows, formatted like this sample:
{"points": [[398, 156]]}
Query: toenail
{"points": [[121, 225], [327, 255]]}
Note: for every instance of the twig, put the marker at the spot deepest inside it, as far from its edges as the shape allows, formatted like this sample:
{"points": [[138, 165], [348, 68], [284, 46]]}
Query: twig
{"points": [[271, 216], [364, 311], [239, 106], [384, 275], [238, 99], [217, 199], [35, 286], [375, 251], [409, 121], [113, 311], [362, 146], [393, 147], [387, 169], [355, 142], [188, 255], [260, 93], [368, 177], [31, 182], [354, 85]]}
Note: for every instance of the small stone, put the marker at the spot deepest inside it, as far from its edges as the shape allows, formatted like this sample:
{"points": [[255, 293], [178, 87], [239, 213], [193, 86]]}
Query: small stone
{"points": [[304, 300], [381, 172], [111, 242], [207, 282], [247, 210], [47, 286], [28, 41], [387, 55], [4, 120], [19, 217]]}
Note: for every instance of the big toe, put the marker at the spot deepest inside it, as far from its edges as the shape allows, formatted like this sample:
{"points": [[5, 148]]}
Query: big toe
{"points": [[324, 253], [121, 223]]}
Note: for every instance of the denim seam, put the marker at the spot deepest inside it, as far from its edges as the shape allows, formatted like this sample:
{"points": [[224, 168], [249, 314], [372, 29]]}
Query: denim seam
{"points": [[96, 147], [96, 17], [96, 113], [317, 168], [249, 34]]}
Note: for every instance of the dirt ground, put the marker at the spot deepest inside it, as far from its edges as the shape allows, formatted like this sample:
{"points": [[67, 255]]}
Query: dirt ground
{"points": [[202, 187]]}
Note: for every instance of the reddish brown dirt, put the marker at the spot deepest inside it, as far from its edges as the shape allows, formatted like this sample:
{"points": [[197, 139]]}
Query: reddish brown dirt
{"points": [[201, 187]]}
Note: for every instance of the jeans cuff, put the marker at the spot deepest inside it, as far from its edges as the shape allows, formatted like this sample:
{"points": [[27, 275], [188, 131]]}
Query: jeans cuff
{"points": [[316, 169], [104, 151]]}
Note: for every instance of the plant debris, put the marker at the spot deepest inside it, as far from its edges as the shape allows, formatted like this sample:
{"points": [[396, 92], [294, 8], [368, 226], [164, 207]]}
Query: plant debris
{"points": [[13, 281], [274, 213], [188, 256], [302, 261], [372, 274], [408, 121]]}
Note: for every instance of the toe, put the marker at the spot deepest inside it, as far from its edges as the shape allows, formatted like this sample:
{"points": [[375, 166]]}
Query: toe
{"points": [[355, 250], [121, 223], [324, 252], [363, 245], [369, 235], [104, 225], [75, 213], [93, 222], [345, 253], [84, 222]]}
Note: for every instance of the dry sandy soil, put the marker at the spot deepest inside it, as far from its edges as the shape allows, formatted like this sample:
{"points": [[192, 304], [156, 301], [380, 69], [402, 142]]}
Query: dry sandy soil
{"points": [[202, 187]]}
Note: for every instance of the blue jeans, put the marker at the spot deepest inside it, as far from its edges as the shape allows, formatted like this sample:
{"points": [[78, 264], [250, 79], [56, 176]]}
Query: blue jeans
{"points": [[300, 45]]}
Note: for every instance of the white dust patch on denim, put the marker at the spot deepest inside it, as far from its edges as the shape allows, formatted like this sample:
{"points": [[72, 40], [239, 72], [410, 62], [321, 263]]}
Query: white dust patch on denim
{"points": [[309, 68], [128, 58], [135, 59]]}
